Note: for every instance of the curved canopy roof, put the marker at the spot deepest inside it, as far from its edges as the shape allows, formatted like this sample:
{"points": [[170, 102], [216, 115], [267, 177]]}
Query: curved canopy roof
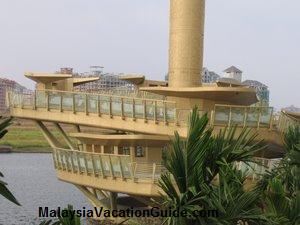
{"points": [[134, 79], [234, 95], [47, 77]]}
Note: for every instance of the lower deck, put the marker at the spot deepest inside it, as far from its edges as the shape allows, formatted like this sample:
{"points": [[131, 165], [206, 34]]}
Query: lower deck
{"points": [[118, 173]]}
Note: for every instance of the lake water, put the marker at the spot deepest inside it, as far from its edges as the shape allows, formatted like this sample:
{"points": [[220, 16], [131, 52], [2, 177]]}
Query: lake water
{"points": [[32, 179]]}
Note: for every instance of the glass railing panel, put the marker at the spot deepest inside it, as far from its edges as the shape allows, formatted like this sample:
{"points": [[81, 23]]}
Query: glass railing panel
{"points": [[54, 100], [150, 108], [116, 166], [159, 169], [27, 100], [144, 170], [67, 102], [16, 99], [265, 116], [58, 158], [126, 167], [116, 106], [106, 165], [252, 116], [41, 99], [79, 102], [237, 116], [183, 116], [222, 115], [82, 162], [75, 162], [55, 159], [97, 164], [63, 160], [104, 104], [139, 108], [89, 162], [170, 112], [128, 107], [160, 111], [68, 159], [92, 101]]}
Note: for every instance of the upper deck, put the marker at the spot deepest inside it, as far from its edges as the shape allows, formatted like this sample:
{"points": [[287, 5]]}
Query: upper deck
{"points": [[140, 115]]}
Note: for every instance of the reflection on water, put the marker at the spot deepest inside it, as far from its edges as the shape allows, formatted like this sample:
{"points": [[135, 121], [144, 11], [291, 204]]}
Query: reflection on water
{"points": [[32, 179]]}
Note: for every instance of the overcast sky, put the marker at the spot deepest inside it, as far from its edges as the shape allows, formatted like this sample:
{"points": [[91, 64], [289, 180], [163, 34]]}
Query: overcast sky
{"points": [[261, 37]]}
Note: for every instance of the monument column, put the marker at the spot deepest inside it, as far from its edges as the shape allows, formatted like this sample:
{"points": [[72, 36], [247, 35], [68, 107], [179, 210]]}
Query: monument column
{"points": [[186, 43]]}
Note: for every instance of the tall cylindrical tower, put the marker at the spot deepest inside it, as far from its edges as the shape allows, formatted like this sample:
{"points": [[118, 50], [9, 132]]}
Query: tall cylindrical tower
{"points": [[186, 42]]}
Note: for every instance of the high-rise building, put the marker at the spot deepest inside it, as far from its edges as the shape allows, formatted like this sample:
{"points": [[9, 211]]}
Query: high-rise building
{"points": [[5, 85], [209, 76], [262, 90], [107, 82]]}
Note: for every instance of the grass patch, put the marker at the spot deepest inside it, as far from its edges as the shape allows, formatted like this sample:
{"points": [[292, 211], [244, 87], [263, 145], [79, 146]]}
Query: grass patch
{"points": [[23, 139]]}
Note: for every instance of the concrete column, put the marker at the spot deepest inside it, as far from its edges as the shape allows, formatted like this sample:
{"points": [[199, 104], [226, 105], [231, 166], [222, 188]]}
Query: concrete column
{"points": [[186, 43], [52, 140], [64, 135], [113, 200]]}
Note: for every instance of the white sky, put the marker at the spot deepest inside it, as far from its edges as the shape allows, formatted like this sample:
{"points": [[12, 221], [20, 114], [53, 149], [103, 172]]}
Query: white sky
{"points": [[261, 37]]}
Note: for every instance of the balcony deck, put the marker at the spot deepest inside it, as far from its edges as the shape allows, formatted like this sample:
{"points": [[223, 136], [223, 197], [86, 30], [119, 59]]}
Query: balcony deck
{"points": [[117, 172], [140, 115]]}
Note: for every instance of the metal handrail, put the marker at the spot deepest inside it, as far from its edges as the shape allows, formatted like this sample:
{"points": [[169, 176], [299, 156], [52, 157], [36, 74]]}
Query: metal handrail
{"points": [[245, 112], [142, 108], [105, 95], [108, 165], [105, 165]]}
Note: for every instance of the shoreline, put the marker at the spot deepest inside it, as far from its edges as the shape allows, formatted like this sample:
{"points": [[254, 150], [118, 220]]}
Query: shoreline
{"points": [[31, 150]]}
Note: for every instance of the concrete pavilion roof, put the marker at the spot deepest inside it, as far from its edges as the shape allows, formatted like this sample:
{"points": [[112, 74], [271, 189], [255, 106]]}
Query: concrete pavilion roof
{"points": [[134, 79], [122, 140], [234, 95], [82, 80], [46, 77]]}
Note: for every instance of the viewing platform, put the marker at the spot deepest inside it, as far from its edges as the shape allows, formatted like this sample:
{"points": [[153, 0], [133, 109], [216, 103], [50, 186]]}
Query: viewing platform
{"points": [[137, 114], [146, 116], [119, 174]]}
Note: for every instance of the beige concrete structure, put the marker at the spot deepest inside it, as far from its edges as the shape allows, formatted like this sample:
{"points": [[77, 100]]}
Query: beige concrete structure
{"points": [[129, 158], [57, 81], [140, 81], [186, 43]]}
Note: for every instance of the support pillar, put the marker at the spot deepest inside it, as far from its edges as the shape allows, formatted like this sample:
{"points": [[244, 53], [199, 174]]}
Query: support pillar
{"points": [[54, 143], [64, 135], [113, 200]]}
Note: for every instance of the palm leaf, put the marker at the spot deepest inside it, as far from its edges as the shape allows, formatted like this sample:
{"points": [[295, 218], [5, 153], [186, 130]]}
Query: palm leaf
{"points": [[6, 193]]}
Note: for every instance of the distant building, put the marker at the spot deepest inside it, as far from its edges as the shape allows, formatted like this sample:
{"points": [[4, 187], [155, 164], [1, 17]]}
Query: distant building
{"points": [[263, 92], [209, 77], [292, 109], [233, 73], [107, 81], [7, 84]]}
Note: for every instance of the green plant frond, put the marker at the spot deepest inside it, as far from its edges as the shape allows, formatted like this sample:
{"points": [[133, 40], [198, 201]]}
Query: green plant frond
{"points": [[49, 222], [292, 137], [68, 220], [4, 124], [167, 185], [176, 163], [7, 194]]}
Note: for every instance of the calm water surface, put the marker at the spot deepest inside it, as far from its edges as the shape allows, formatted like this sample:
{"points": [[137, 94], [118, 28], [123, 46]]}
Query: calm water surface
{"points": [[32, 179]]}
